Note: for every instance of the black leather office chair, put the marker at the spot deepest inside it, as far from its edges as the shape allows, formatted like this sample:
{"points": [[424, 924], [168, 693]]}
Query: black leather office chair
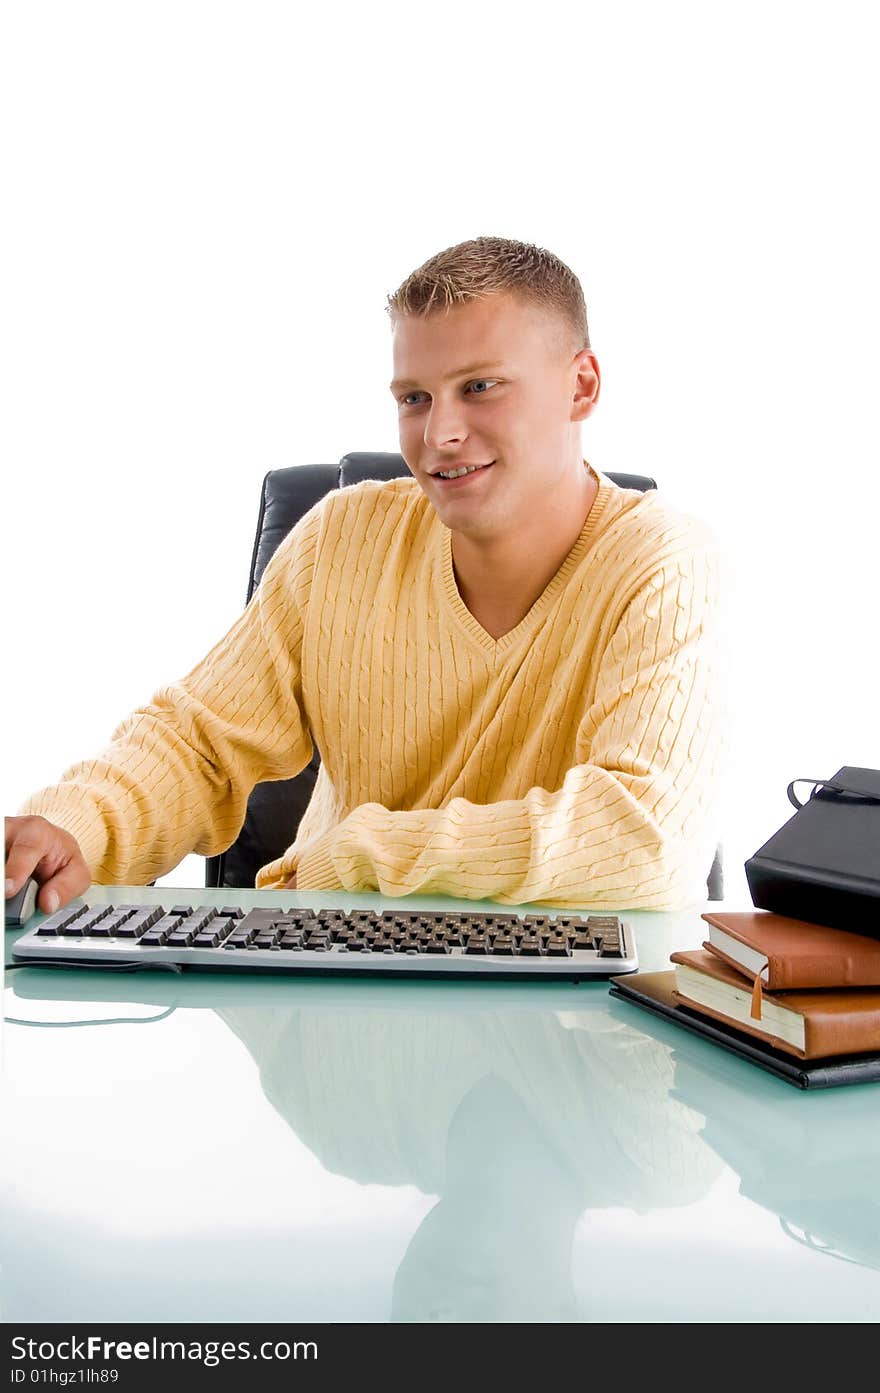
{"points": [[274, 809]]}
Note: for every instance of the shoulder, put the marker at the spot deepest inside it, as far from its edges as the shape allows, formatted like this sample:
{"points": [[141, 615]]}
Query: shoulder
{"points": [[644, 531], [353, 516], [346, 519], [375, 497]]}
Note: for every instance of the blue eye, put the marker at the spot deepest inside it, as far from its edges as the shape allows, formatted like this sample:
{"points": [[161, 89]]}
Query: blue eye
{"points": [[484, 382]]}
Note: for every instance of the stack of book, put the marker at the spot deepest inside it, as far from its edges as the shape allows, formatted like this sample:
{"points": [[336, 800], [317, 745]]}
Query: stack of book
{"points": [[807, 990], [800, 999]]}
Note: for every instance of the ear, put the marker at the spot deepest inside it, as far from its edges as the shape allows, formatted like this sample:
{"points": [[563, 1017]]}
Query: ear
{"points": [[587, 385]]}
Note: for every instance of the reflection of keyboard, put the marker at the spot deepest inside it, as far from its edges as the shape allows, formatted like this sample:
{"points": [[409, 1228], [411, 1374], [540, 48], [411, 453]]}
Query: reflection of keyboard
{"points": [[272, 939]]}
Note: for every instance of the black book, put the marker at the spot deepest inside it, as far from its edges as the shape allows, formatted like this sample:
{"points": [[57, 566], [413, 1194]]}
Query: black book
{"points": [[823, 865], [654, 991]]}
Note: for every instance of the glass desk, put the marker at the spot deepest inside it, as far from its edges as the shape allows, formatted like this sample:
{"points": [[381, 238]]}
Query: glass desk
{"points": [[234, 1148]]}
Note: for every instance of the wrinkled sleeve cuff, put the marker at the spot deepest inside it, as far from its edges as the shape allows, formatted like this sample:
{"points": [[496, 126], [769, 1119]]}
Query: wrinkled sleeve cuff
{"points": [[316, 870]]}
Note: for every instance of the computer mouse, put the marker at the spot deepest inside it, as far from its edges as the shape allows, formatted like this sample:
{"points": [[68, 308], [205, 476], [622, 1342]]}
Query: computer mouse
{"points": [[22, 904]]}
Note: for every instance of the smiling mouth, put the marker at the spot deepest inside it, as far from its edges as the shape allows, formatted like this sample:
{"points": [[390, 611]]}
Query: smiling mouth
{"points": [[460, 473]]}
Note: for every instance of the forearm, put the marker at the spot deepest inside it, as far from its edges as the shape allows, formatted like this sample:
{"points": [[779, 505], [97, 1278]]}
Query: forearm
{"points": [[591, 843], [154, 794]]}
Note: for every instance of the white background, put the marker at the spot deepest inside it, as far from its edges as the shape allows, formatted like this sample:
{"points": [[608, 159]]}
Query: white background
{"points": [[205, 205]]}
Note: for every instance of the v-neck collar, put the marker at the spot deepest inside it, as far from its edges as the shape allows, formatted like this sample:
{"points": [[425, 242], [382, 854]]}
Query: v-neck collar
{"points": [[498, 648]]}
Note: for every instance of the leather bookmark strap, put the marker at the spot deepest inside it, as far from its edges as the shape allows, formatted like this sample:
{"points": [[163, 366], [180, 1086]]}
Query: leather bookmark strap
{"points": [[755, 1011]]}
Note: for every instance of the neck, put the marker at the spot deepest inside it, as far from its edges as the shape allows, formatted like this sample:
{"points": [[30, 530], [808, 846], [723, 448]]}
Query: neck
{"points": [[500, 578]]}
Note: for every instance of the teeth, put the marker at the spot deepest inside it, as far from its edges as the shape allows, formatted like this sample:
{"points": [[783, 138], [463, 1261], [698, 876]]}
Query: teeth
{"points": [[457, 473]]}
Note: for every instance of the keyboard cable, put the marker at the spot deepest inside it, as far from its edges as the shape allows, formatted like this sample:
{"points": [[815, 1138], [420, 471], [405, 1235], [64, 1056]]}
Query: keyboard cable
{"points": [[103, 1020]]}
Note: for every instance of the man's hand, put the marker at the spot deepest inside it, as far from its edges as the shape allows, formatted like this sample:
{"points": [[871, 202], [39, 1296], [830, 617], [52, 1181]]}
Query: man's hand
{"points": [[291, 884], [48, 853]]}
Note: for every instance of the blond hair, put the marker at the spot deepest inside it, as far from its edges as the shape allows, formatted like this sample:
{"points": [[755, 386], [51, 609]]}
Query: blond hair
{"points": [[489, 266]]}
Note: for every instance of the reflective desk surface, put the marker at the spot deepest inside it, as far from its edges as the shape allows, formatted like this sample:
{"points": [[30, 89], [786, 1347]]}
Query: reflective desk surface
{"points": [[233, 1148]]}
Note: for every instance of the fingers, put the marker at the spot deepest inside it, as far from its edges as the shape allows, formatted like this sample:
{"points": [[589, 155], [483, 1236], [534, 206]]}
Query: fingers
{"points": [[72, 880], [36, 847], [27, 841]]}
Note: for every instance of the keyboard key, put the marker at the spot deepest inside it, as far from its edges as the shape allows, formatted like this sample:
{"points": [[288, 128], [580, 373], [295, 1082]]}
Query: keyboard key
{"points": [[120, 931], [477, 943], [57, 921], [114, 925], [86, 922], [504, 945], [154, 938], [558, 948], [599, 923], [147, 918], [231, 913], [531, 946], [364, 918], [332, 918], [199, 919], [259, 919], [538, 923], [609, 947]]}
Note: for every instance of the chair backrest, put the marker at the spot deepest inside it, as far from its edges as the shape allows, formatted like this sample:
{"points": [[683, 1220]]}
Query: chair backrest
{"points": [[274, 809]]}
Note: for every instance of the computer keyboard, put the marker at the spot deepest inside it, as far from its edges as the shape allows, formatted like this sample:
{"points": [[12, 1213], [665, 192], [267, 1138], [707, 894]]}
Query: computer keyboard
{"points": [[295, 939]]}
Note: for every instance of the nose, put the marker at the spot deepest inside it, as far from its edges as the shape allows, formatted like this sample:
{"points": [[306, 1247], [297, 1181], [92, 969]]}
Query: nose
{"points": [[444, 424]]}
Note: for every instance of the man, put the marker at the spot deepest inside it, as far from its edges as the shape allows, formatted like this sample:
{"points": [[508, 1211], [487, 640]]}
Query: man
{"points": [[505, 662]]}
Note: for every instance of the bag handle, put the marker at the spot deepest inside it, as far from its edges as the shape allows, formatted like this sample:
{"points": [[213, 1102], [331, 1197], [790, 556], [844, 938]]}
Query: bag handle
{"points": [[828, 783]]}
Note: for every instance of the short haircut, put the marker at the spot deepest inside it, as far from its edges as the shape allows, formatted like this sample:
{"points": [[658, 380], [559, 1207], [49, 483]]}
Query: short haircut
{"points": [[489, 266]]}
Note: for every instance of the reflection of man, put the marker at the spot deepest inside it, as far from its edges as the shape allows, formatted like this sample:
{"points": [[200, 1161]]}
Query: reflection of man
{"points": [[504, 662], [813, 1161], [517, 1121], [497, 1243]]}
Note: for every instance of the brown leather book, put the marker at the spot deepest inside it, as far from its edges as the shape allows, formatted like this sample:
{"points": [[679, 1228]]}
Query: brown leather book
{"points": [[789, 954], [808, 1024]]}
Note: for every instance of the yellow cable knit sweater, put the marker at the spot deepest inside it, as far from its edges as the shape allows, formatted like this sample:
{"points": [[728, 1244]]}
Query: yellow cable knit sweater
{"points": [[572, 761]]}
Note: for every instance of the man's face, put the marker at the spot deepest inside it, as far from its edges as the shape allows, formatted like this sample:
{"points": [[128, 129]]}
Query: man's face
{"points": [[493, 383]]}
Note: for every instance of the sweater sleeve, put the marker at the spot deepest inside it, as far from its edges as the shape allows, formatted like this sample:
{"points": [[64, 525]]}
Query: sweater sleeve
{"points": [[630, 825], [177, 774]]}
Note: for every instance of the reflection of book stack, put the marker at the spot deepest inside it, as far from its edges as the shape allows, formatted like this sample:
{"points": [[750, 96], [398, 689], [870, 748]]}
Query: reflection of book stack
{"points": [[810, 991], [815, 1167], [800, 999]]}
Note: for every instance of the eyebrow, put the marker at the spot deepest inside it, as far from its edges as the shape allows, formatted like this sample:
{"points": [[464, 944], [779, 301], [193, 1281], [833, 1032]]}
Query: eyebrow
{"points": [[399, 382]]}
